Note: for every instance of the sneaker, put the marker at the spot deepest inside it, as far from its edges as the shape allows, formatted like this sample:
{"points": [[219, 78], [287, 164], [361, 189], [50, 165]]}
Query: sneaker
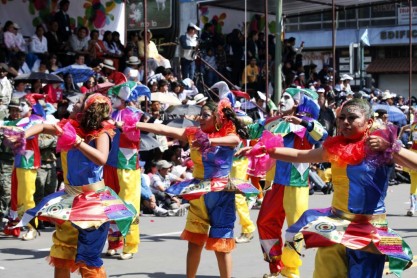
{"points": [[410, 213], [286, 272], [125, 256], [271, 275], [31, 234], [244, 238], [111, 252]]}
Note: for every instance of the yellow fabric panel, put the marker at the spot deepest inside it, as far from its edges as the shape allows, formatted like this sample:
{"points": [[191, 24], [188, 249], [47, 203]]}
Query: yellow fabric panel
{"points": [[64, 165], [197, 217], [336, 254], [244, 216], [239, 168], [195, 156], [65, 239], [269, 177], [341, 187], [26, 187], [295, 202], [129, 182]]}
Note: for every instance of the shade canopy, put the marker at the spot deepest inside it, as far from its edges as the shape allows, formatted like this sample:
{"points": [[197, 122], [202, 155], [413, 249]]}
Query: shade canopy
{"points": [[290, 6]]}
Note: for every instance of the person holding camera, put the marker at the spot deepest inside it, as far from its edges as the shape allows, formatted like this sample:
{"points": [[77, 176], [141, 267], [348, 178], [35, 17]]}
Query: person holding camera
{"points": [[188, 47]]}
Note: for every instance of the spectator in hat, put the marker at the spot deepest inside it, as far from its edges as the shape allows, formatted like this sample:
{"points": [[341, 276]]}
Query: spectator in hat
{"points": [[387, 98], [160, 182], [110, 73], [6, 164], [200, 100], [345, 86], [133, 67], [151, 51], [188, 47]]}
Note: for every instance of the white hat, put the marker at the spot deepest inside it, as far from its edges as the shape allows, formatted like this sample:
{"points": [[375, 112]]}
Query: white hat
{"points": [[346, 77], [16, 26], [192, 25], [107, 63], [261, 95], [199, 98], [133, 60], [386, 95], [238, 104], [133, 74], [321, 90], [163, 164]]}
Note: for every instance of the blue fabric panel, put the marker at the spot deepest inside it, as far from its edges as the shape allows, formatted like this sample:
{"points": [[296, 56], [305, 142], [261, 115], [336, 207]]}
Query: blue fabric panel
{"points": [[221, 210]]}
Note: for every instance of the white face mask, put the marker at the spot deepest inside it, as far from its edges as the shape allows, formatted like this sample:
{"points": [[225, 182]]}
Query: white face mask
{"points": [[286, 103], [116, 102], [25, 109]]}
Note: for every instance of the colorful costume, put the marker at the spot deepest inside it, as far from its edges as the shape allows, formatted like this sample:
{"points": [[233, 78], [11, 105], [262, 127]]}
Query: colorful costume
{"points": [[212, 193], [24, 174], [239, 170], [83, 210], [122, 174], [353, 236], [413, 173], [288, 197]]}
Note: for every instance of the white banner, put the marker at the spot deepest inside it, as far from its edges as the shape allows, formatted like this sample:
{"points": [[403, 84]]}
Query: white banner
{"points": [[404, 15], [103, 15]]}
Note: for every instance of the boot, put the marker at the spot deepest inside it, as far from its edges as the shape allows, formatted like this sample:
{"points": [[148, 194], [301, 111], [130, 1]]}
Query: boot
{"points": [[410, 212]]}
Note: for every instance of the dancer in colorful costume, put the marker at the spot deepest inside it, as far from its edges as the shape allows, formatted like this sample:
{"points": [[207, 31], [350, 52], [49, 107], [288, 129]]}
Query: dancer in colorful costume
{"points": [[26, 162], [122, 170], [352, 235], [211, 216], [288, 197], [412, 172], [83, 210]]}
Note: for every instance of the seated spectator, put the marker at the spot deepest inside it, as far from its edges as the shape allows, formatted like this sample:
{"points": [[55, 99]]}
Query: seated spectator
{"points": [[110, 73], [13, 39], [78, 42], [19, 89], [90, 83], [112, 50], [18, 64], [250, 76], [154, 58], [148, 199], [39, 43], [52, 64], [6, 88], [96, 46], [55, 45], [133, 68], [160, 182]]}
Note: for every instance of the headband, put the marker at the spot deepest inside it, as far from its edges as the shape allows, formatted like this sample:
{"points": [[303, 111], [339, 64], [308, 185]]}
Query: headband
{"points": [[96, 98]]}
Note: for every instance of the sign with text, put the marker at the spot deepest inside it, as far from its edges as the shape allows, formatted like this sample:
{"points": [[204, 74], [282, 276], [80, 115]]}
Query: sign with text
{"points": [[159, 14], [404, 15]]}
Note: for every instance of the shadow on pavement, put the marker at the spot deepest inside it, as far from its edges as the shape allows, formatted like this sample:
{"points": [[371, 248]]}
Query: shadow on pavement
{"points": [[158, 275], [31, 254]]}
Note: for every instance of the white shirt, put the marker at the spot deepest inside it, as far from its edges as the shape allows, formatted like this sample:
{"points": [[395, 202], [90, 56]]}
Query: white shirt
{"points": [[39, 45]]}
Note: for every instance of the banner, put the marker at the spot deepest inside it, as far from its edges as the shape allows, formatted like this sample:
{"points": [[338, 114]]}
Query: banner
{"points": [[159, 14], [102, 15]]}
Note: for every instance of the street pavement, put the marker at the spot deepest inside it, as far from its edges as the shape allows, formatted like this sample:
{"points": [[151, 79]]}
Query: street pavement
{"points": [[162, 254]]}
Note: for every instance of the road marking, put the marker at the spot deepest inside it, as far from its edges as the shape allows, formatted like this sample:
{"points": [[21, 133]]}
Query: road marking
{"points": [[158, 235]]}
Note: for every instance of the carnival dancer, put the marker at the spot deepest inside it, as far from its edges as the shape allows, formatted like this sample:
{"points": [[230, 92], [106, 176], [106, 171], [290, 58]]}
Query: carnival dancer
{"points": [[239, 171], [83, 210], [352, 235], [212, 213], [288, 197], [24, 172], [413, 173], [122, 170]]}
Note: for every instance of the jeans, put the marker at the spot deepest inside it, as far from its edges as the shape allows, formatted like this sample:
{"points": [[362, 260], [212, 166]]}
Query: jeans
{"points": [[187, 68]]}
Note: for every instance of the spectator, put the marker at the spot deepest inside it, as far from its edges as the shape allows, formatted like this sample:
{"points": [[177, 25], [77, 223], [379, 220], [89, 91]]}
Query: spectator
{"points": [[251, 46], [78, 42], [6, 87], [63, 19], [152, 52], [250, 76], [18, 64], [160, 182], [55, 45], [188, 46], [96, 46], [133, 66]]}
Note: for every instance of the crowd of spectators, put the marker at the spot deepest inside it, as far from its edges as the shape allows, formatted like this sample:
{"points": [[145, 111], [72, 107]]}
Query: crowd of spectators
{"points": [[56, 47]]}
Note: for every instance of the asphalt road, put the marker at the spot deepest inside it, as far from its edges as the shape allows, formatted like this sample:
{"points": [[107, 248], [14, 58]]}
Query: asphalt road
{"points": [[162, 254]]}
